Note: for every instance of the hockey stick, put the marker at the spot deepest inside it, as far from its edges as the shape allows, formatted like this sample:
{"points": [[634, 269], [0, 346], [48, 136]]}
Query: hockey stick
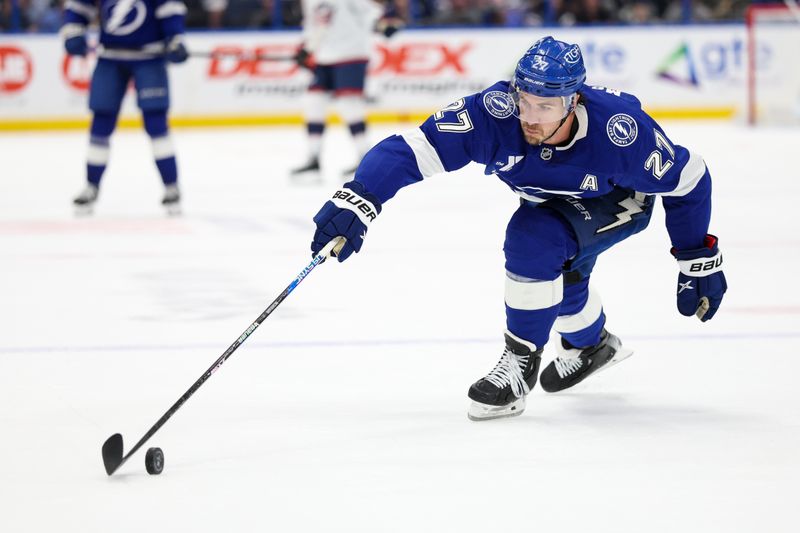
{"points": [[113, 456], [240, 55]]}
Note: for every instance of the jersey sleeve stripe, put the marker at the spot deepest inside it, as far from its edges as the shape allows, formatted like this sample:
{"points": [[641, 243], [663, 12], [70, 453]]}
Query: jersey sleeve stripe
{"points": [[72, 29], [428, 160], [535, 200], [81, 9], [691, 174], [170, 9]]}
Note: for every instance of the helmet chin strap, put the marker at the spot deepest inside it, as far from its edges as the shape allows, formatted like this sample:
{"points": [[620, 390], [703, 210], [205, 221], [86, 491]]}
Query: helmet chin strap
{"points": [[563, 120]]}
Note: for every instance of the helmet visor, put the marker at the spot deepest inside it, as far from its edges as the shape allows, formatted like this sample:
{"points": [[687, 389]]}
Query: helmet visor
{"points": [[534, 109]]}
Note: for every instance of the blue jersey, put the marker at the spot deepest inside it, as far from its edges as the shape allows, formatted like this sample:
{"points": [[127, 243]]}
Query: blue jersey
{"points": [[616, 146], [129, 29]]}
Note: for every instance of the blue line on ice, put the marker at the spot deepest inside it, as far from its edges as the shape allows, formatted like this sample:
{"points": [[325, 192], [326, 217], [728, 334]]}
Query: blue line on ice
{"points": [[377, 342]]}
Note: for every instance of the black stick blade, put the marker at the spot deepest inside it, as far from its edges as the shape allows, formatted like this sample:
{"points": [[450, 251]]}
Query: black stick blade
{"points": [[112, 453]]}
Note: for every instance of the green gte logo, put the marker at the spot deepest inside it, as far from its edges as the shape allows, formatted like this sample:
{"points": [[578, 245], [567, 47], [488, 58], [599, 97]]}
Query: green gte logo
{"points": [[679, 67]]}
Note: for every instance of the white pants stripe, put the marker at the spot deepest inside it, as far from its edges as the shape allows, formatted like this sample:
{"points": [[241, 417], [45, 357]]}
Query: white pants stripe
{"points": [[529, 294], [584, 318]]}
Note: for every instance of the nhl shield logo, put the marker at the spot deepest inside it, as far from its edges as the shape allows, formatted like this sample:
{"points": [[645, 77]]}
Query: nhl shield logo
{"points": [[546, 153], [622, 129], [499, 104]]}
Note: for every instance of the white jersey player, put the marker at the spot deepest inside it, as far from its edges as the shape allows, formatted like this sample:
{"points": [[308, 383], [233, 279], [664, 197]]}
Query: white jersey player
{"points": [[339, 31], [337, 41]]}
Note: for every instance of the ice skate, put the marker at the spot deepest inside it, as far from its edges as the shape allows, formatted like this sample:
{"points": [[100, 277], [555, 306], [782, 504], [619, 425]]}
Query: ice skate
{"points": [[502, 392], [308, 174], [573, 365], [84, 202], [172, 200]]}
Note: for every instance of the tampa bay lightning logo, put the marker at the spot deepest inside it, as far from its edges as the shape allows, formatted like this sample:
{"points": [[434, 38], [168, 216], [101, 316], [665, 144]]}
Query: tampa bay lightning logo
{"points": [[622, 129], [123, 17], [499, 104]]}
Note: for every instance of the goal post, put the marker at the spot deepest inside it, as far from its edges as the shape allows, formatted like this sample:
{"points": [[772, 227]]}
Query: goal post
{"points": [[773, 71]]}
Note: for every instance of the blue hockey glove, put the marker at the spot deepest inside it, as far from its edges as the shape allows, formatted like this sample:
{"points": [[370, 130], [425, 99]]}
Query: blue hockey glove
{"points": [[76, 45], [176, 50], [701, 283], [347, 214]]}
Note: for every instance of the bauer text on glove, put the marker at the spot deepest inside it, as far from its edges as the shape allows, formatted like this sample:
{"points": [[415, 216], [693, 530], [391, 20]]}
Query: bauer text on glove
{"points": [[347, 214], [701, 282]]}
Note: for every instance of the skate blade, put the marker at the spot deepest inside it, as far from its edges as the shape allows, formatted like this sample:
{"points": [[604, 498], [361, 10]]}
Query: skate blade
{"points": [[478, 412], [83, 210], [173, 210], [622, 354]]}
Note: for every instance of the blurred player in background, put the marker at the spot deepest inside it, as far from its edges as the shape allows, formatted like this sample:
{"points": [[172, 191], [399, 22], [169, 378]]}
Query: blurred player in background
{"points": [[587, 163], [337, 41], [137, 38]]}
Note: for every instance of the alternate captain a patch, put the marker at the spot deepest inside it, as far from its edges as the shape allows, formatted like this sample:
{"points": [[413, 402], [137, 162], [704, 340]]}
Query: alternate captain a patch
{"points": [[499, 104], [589, 183]]}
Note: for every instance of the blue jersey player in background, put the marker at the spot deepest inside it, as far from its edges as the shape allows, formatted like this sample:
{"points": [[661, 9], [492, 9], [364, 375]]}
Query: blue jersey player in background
{"points": [[587, 163], [137, 38]]}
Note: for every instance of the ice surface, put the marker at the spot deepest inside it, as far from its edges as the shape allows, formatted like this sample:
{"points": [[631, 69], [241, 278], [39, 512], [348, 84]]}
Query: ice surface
{"points": [[346, 410]]}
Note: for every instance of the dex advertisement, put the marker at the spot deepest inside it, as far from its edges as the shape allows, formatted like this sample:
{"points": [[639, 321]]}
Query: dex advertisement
{"points": [[248, 77]]}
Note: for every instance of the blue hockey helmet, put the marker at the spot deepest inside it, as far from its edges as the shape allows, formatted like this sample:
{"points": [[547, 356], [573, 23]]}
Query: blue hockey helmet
{"points": [[550, 68]]}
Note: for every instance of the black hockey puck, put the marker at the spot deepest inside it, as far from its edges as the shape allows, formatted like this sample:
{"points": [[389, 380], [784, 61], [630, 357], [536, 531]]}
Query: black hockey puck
{"points": [[154, 461]]}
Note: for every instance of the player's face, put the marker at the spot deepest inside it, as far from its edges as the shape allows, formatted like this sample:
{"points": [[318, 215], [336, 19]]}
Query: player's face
{"points": [[540, 109], [540, 117]]}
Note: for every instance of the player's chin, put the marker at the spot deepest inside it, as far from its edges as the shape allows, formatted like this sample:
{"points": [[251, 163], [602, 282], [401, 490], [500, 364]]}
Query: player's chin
{"points": [[532, 135], [533, 139]]}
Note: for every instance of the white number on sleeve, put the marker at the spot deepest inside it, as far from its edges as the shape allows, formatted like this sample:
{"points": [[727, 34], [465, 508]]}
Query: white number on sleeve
{"points": [[464, 123], [655, 161]]}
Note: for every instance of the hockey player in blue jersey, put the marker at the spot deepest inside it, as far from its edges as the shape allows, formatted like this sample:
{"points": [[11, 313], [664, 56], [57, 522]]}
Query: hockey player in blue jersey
{"points": [[137, 38], [587, 163]]}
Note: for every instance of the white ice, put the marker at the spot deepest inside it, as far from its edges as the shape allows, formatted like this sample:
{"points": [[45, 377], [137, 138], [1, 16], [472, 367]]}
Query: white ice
{"points": [[346, 410]]}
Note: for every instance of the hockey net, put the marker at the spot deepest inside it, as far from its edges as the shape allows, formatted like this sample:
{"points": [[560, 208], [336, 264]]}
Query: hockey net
{"points": [[773, 88]]}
